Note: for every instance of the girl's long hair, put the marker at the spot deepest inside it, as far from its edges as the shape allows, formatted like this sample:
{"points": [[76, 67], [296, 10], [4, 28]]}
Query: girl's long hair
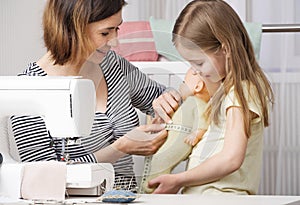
{"points": [[213, 25]]}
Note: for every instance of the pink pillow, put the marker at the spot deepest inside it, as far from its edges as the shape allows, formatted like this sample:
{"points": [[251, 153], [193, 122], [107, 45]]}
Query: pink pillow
{"points": [[136, 42]]}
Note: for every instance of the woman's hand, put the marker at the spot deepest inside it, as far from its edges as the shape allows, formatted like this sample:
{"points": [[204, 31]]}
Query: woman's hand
{"points": [[165, 105], [165, 184], [144, 140]]}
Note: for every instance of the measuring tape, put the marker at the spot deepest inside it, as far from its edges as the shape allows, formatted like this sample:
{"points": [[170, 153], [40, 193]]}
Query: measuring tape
{"points": [[148, 159], [146, 173], [178, 128]]}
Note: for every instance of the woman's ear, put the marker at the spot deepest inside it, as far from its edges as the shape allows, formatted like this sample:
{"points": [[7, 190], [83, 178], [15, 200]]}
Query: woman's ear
{"points": [[199, 87]]}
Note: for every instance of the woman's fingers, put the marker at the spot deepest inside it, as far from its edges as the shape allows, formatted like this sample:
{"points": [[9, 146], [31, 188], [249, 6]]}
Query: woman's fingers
{"points": [[144, 140], [152, 128], [166, 104]]}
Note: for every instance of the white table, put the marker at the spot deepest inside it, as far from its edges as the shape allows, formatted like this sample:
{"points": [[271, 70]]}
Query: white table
{"points": [[172, 199], [155, 199]]}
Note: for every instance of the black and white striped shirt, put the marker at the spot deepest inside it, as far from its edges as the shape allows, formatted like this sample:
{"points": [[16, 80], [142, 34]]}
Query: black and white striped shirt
{"points": [[128, 88]]}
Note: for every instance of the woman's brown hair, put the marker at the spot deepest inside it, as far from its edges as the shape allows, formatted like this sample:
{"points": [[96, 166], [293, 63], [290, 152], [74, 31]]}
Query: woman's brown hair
{"points": [[213, 25], [65, 22]]}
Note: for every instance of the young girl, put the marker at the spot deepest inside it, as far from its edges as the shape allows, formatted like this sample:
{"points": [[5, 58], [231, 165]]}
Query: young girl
{"points": [[210, 35]]}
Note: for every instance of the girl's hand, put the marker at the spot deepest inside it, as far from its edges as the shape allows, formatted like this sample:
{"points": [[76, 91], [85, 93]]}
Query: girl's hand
{"points": [[166, 104], [165, 184], [144, 140]]}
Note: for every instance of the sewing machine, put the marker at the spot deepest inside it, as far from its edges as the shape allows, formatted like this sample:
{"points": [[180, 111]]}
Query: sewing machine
{"points": [[67, 105]]}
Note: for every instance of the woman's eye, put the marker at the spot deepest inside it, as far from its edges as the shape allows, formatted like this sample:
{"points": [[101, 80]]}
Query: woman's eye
{"points": [[104, 34]]}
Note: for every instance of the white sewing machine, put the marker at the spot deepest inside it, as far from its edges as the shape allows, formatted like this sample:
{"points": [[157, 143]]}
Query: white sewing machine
{"points": [[68, 107]]}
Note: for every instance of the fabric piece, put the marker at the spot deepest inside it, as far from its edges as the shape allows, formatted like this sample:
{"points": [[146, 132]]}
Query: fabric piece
{"points": [[44, 181], [246, 178], [162, 32], [136, 42], [255, 32]]}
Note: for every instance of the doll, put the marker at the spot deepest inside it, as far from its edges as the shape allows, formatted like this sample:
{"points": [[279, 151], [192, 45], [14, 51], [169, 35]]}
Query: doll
{"points": [[186, 130]]}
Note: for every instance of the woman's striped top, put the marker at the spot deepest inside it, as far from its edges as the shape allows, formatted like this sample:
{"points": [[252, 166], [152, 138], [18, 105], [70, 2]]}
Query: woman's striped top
{"points": [[128, 88]]}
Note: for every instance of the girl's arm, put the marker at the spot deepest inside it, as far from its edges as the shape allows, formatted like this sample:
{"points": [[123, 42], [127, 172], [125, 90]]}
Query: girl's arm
{"points": [[218, 166]]}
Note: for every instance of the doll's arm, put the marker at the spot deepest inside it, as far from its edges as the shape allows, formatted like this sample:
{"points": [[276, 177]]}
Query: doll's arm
{"points": [[200, 124], [193, 138]]}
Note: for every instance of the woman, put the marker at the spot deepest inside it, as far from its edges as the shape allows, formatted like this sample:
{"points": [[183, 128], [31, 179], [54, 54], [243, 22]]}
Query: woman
{"points": [[78, 35]]}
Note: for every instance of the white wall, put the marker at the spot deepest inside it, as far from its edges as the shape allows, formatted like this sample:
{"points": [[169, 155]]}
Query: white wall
{"points": [[21, 37], [278, 49], [143, 9], [21, 34]]}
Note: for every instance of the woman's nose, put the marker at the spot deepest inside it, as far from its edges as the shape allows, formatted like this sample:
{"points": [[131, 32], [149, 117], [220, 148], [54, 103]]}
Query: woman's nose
{"points": [[113, 41]]}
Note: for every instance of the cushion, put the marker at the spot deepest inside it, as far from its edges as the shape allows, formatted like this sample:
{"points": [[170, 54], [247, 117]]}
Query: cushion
{"points": [[162, 32], [254, 31], [136, 42]]}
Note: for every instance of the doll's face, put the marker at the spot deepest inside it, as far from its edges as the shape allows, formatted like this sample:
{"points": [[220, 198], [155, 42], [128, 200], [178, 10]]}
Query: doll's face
{"points": [[190, 84]]}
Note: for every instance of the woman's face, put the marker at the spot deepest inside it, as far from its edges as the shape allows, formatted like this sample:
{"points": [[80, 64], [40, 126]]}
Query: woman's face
{"points": [[210, 67], [104, 33]]}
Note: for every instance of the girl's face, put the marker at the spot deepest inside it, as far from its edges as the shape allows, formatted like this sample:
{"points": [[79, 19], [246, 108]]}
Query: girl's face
{"points": [[104, 33], [211, 67]]}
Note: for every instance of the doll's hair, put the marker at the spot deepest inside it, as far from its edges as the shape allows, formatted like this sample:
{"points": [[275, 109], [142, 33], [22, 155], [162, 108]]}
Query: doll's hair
{"points": [[213, 25], [65, 23]]}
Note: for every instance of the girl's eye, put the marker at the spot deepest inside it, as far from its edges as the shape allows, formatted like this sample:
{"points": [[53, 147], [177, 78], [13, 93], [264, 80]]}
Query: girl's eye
{"points": [[199, 64]]}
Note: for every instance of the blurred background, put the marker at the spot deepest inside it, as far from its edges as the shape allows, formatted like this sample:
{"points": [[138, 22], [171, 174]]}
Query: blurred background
{"points": [[21, 42]]}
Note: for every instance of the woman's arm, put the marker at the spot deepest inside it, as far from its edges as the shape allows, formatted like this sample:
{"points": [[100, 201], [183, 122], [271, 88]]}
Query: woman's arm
{"points": [[143, 90], [143, 140], [218, 166]]}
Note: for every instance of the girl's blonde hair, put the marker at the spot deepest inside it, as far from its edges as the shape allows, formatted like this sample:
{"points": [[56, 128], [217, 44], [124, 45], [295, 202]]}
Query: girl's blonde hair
{"points": [[65, 23], [213, 25]]}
